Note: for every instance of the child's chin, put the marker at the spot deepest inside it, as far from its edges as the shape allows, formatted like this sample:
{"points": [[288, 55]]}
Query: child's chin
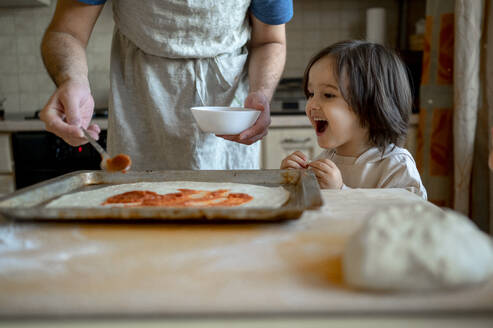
{"points": [[323, 143]]}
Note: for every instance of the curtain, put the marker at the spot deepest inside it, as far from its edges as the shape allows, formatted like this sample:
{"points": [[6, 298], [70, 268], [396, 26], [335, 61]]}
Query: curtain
{"points": [[481, 192], [468, 21], [434, 151], [456, 107], [473, 99]]}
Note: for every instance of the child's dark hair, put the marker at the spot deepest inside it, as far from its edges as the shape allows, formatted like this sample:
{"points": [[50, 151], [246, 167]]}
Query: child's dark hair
{"points": [[374, 82]]}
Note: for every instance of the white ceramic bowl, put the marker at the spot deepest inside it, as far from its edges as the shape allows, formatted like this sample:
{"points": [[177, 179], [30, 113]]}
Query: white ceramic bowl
{"points": [[224, 120]]}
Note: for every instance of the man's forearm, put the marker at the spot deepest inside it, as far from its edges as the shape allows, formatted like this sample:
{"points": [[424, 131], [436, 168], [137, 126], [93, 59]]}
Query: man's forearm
{"points": [[265, 67], [64, 57]]}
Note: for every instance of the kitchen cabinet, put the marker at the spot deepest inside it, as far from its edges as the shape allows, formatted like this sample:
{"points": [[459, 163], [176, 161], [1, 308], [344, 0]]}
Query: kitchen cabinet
{"points": [[7, 181], [281, 142], [6, 163], [7, 184], [23, 3]]}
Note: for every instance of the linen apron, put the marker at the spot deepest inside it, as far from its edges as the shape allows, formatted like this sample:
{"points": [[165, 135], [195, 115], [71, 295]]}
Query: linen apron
{"points": [[168, 56]]}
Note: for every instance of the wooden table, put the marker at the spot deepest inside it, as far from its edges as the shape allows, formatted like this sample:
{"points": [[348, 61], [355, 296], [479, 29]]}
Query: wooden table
{"points": [[245, 270]]}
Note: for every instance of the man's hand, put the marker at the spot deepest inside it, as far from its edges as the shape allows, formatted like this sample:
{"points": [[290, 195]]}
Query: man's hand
{"points": [[328, 175], [69, 108], [255, 100], [296, 160], [63, 51]]}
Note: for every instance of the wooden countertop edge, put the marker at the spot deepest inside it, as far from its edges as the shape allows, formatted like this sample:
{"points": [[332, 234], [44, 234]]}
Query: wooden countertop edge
{"points": [[8, 126]]}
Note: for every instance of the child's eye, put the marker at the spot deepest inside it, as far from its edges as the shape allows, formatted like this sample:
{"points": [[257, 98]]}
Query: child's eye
{"points": [[329, 95], [309, 94]]}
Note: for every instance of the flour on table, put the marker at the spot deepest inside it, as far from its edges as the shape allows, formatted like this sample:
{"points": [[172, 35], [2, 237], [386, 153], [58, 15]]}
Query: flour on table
{"points": [[413, 247]]}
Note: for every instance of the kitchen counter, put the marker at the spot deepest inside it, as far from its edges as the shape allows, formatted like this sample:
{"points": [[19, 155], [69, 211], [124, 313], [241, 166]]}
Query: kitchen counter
{"points": [[225, 270], [10, 126]]}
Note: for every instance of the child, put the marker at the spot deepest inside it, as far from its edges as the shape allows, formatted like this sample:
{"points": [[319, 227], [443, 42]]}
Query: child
{"points": [[358, 101]]}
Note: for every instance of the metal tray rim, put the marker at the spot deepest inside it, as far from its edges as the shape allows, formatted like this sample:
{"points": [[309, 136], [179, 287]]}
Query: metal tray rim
{"points": [[310, 198]]}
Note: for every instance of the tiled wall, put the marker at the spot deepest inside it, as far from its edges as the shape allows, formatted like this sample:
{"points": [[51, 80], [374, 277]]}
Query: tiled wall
{"points": [[23, 78], [27, 87], [319, 23]]}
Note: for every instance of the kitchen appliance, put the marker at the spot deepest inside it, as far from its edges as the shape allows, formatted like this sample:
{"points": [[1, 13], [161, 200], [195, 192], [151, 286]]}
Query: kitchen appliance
{"points": [[289, 98], [41, 155]]}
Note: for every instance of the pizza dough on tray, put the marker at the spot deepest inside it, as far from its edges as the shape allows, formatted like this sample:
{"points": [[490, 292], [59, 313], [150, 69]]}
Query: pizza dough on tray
{"points": [[272, 197], [416, 247]]}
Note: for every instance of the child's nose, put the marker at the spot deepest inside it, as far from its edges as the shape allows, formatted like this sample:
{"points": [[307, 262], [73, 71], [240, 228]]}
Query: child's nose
{"points": [[312, 103]]}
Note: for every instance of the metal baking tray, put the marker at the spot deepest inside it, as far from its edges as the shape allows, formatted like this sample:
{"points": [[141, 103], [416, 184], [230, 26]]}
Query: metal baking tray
{"points": [[28, 204]]}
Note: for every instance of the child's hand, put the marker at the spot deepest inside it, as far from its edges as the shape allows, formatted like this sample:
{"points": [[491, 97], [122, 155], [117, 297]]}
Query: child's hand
{"points": [[328, 175], [296, 160]]}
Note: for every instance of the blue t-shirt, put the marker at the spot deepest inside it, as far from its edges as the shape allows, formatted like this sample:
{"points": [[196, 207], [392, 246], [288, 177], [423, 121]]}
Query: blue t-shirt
{"points": [[272, 12]]}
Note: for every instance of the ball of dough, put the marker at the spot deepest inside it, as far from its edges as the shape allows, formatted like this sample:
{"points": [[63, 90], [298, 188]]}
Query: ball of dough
{"points": [[417, 247]]}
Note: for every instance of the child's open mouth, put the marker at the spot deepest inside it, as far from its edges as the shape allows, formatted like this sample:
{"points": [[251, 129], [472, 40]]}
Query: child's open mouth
{"points": [[321, 125]]}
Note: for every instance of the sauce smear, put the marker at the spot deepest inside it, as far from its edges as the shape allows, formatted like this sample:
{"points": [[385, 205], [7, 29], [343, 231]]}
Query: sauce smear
{"points": [[183, 198], [120, 162]]}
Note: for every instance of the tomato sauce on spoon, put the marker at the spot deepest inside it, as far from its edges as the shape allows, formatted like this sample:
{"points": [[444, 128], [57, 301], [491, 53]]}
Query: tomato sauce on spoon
{"points": [[120, 162]]}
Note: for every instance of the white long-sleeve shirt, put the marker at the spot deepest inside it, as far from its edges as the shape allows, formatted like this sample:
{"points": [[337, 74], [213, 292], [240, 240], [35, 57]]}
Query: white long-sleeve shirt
{"points": [[395, 169]]}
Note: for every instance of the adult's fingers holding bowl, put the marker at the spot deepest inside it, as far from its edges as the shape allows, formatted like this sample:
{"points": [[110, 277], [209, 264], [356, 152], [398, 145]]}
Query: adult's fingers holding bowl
{"points": [[248, 141], [256, 100], [252, 134], [258, 130]]}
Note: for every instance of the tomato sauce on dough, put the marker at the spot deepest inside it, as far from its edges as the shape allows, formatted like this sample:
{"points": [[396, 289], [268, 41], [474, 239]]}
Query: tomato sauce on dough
{"points": [[183, 198]]}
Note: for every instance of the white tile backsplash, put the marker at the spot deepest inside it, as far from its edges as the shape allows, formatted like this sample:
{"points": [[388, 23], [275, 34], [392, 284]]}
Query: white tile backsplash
{"points": [[29, 63], [12, 102], [7, 26], [45, 83], [319, 23], [27, 45], [8, 64], [23, 25], [7, 45], [25, 83], [27, 101], [9, 83], [28, 83]]}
